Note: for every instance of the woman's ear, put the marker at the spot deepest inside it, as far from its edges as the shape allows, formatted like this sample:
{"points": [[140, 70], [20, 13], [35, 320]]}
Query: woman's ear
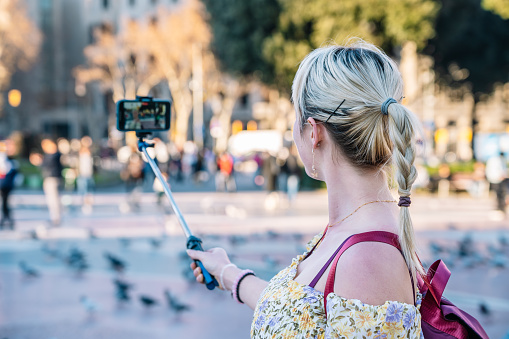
{"points": [[316, 133]]}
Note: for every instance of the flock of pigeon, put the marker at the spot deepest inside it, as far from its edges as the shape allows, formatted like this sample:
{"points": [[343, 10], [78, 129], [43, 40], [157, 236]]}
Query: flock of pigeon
{"points": [[77, 262], [470, 254]]}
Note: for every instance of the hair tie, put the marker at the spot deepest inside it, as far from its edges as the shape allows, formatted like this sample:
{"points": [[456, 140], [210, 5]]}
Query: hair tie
{"points": [[404, 202], [335, 110], [385, 105]]}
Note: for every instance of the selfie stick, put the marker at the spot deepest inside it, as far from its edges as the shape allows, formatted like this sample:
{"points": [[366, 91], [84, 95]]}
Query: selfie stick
{"points": [[193, 243]]}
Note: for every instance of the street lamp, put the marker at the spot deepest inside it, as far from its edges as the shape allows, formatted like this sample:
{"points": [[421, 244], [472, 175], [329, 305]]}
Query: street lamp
{"points": [[14, 97]]}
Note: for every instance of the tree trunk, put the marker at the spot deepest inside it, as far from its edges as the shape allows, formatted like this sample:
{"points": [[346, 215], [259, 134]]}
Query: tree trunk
{"points": [[182, 112], [475, 122]]}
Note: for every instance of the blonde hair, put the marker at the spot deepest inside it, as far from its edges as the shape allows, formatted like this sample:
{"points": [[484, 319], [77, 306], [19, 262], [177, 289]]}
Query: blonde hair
{"points": [[364, 77]]}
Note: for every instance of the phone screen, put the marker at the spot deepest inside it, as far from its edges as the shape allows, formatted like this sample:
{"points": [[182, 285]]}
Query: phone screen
{"points": [[134, 115]]}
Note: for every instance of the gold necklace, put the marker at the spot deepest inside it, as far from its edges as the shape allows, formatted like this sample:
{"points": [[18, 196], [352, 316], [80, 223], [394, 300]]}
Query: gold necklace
{"points": [[358, 208]]}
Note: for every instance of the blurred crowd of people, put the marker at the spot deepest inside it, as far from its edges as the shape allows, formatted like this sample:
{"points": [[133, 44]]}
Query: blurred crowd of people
{"points": [[71, 166]]}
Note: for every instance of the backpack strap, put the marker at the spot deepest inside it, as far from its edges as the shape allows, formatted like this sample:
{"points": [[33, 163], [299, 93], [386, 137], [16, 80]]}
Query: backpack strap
{"points": [[324, 268], [436, 280], [373, 236]]}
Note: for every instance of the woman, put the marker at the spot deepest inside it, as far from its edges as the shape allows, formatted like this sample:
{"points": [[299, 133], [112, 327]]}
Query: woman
{"points": [[350, 126]]}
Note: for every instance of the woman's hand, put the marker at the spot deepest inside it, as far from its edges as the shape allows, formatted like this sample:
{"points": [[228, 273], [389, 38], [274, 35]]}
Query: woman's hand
{"points": [[213, 260]]}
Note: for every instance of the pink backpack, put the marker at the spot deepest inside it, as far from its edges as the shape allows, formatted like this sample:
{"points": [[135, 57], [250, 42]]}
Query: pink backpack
{"points": [[440, 317]]}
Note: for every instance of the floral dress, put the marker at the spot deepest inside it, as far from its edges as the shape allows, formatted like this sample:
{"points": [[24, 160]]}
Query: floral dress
{"points": [[288, 309]]}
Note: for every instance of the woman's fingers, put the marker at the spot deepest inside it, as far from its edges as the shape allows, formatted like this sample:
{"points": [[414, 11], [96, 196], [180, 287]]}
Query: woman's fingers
{"points": [[196, 255], [197, 271]]}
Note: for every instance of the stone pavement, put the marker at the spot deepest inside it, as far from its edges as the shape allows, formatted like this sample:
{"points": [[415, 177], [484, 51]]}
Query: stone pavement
{"points": [[261, 231]]}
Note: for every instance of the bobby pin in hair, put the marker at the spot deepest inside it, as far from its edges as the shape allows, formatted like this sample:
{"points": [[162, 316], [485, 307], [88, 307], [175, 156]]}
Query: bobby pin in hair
{"points": [[335, 110]]}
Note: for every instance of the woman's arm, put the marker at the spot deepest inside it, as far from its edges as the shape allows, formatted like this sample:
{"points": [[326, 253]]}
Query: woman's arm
{"points": [[214, 261]]}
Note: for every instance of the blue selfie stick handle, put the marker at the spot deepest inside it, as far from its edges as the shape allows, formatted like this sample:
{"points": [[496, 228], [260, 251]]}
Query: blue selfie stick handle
{"points": [[194, 243]]}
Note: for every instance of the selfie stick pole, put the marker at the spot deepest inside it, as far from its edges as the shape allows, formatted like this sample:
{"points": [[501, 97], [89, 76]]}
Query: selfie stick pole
{"points": [[193, 243]]}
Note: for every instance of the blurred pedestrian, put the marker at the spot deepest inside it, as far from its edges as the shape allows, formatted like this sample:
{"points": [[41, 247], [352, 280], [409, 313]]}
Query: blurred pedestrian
{"points": [[496, 173], [270, 170], [293, 172], [350, 126], [444, 183], [225, 178], [8, 171], [85, 180], [198, 167], [133, 177], [478, 187], [52, 175]]}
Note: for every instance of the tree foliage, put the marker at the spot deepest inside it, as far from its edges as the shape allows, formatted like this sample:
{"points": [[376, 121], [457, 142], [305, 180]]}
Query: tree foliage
{"points": [[131, 62], [305, 25], [240, 29], [470, 47], [501, 7], [20, 40]]}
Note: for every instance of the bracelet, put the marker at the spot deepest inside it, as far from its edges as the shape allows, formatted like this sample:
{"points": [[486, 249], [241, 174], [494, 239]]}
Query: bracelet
{"points": [[236, 284], [221, 275]]}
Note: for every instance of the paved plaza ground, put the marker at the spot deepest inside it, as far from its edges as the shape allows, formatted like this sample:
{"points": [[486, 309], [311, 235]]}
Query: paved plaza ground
{"points": [[261, 231]]}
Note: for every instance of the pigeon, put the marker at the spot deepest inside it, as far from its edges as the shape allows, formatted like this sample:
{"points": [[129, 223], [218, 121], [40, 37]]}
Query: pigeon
{"points": [[28, 271], [435, 248], [503, 242], [50, 252], [465, 246], [484, 309], [116, 263], [184, 257], [499, 261], [237, 240], [89, 305], [187, 274], [272, 235], [76, 260], [91, 234], [122, 293], [147, 301], [156, 243], [475, 260], [298, 236], [174, 304], [80, 266]]}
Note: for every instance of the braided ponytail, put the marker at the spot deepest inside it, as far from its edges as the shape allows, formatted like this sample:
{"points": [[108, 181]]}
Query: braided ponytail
{"points": [[402, 126]]}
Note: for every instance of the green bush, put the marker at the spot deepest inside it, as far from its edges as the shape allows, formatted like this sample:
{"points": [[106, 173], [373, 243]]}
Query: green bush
{"points": [[455, 167]]}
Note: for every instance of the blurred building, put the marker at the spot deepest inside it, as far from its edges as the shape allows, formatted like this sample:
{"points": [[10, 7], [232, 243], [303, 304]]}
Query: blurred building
{"points": [[51, 104], [447, 115]]}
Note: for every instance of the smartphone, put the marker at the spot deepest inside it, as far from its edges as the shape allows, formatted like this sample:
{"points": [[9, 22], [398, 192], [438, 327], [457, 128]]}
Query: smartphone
{"points": [[143, 114]]}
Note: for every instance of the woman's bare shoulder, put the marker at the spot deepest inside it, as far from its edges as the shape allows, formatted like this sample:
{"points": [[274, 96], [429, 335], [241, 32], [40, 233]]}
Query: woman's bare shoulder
{"points": [[373, 273]]}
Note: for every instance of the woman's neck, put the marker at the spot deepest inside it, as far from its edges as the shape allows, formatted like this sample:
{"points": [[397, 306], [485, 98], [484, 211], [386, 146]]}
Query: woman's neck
{"points": [[349, 189]]}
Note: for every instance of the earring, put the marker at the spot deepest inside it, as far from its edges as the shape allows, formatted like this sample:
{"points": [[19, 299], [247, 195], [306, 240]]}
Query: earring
{"points": [[314, 174]]}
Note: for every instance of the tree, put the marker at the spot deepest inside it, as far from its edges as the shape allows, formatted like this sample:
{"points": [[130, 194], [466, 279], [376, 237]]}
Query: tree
{"points": [[239, 30], [170, 42], [305, 25], [20, 40], [135, 60], [501, 7], [470, 50], [117, 64]]}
